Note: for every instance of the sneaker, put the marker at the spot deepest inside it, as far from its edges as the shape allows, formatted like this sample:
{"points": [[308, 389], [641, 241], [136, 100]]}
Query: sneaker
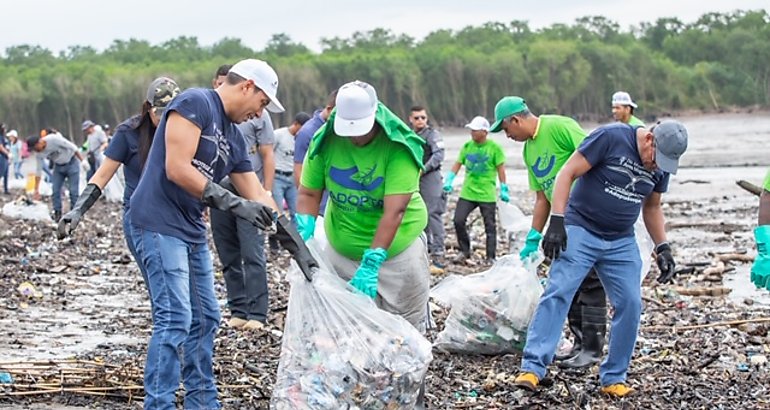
{"points": [[236, 322], [253, 325], [617, 390], [527, 381], [436, 268]]}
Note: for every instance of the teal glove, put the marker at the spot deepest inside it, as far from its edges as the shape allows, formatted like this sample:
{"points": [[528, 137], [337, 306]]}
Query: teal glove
{"points": [[531, 244], [365, 279], [760, 270], [305, 226], [504, 194], [450, 177]]}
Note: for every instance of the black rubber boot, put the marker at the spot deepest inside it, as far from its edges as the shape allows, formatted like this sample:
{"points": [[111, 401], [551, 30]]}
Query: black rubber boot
{"points": [[56, 216], [594, 329], [575, 323]]}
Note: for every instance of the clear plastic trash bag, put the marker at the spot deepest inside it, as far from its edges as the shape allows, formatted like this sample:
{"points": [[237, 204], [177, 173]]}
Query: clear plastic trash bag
{"points": [[490, 311], [113, 191], [646, 246], [29, 210], [340, 351], [512, 219]]}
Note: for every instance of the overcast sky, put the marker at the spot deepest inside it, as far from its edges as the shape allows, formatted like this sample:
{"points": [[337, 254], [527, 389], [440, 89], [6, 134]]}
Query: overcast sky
{"points": [[57, 24]]}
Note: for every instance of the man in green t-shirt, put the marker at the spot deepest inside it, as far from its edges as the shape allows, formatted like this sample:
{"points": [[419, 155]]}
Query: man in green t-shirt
{"points": [[369, 161], [623, 109], [760, 270], [484, 162], [549, 141]]}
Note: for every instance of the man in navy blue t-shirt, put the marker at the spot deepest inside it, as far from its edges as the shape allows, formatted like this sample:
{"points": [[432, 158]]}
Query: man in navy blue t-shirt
{"points": [[196, 144], [620, 170]]}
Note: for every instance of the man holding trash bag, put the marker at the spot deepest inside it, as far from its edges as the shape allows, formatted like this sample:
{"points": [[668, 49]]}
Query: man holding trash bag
{"points": [[620, 171], [370, 160], [196, 145], [549, 141], [760, 270]]}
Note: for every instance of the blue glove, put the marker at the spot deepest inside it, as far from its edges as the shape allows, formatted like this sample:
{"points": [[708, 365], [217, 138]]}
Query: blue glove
{"points": [[531, 244], [306, 226], [760, 270], [365, 279], [504, 195], [450, 177]]}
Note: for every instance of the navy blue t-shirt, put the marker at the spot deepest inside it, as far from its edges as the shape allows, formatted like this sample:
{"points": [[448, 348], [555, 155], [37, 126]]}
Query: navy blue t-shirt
{"points": [[162, 206], [124, 148], [607, 199]]}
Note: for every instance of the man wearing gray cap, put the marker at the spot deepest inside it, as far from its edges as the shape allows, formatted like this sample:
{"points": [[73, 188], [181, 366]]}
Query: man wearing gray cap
{"points": [[620, 171], [96, 140]]}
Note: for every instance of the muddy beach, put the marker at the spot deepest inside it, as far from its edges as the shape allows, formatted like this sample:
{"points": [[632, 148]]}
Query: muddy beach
{"points": [[77, 337]]}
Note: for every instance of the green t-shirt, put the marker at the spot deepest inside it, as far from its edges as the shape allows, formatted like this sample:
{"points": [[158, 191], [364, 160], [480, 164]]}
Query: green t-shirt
{"points": [[556, 138], [358, 179], [481, 162], [635, 122], [766, 184]]}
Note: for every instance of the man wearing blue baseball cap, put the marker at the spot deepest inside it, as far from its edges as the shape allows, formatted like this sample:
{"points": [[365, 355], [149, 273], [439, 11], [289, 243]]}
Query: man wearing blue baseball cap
{"points": [[620, 171]]}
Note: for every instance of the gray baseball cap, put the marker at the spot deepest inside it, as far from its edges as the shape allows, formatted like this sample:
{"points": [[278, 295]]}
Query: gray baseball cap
{"points": [[670, 143]]}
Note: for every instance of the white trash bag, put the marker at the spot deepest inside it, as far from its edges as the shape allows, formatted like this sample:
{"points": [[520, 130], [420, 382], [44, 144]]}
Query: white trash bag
{"points": [[29, 210], [491, 310], [340, 351], [512, 219], [113, 191], [646, 246]]}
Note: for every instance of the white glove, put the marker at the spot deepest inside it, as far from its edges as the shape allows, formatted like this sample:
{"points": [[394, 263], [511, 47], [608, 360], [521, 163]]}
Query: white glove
{"points": [[85, 166]]}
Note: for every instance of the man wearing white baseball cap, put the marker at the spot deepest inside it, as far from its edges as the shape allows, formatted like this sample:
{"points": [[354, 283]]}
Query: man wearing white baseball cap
{"points": [[623, 109], [484, 162], [196, 145]]}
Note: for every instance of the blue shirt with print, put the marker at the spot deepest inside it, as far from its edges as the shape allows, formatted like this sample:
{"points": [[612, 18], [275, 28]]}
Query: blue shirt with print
{"points": [[608, 198], [162, 206], [124, 148]]}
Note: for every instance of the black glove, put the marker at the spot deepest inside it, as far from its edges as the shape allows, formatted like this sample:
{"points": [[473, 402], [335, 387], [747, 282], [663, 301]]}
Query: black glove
{"points": [[291, 240], [255, 212], [665, 262], [86, 200], [555, 239]]}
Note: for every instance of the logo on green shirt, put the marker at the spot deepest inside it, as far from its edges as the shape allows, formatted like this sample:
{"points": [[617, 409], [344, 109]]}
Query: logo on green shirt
{"points": [[349, 178], [477, 163], [539, 170]]}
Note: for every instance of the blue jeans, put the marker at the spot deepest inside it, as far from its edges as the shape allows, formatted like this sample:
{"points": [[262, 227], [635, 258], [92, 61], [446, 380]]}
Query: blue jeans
{"points": [[17, 169], [132, 233], [4, 165], [284, 189], [185, 317], [241, 249], [71, 172], [619, 266]]}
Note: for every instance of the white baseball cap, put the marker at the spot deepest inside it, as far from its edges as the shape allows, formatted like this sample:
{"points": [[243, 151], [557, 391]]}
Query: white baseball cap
{"points": [[356, 109], [12, 133], [478, 123], [622, 98], [263, 76]]}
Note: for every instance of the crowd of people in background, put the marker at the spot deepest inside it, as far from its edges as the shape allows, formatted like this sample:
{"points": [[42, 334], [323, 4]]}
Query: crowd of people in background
{"points": [[377, 180]]}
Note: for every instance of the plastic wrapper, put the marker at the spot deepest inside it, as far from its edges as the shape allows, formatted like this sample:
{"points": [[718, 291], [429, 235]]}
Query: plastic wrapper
{"points": [[646, 246], [512, 219], [490, 311], [340, 351], [30, 210]]}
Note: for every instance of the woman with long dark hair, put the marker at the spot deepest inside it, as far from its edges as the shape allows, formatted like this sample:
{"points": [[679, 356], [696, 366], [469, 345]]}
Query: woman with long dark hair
{"points": [[129, 146]]}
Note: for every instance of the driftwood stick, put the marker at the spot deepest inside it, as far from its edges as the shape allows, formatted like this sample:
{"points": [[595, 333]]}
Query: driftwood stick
{"points": [[706, 325], [754, 189]]}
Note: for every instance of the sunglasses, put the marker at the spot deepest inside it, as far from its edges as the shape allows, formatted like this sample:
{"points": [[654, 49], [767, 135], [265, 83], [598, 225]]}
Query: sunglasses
{"points": [[420, 117]]}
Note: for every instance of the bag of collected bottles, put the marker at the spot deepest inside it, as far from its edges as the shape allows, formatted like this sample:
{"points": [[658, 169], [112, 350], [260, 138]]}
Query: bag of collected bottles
{"points": [[340, 351], [490, 311]]}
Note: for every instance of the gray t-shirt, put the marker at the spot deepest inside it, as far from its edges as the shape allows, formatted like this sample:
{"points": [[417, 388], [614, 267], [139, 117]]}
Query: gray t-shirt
{"points": [[256, 132], [284, 150], [58, 149], [96, 139]]}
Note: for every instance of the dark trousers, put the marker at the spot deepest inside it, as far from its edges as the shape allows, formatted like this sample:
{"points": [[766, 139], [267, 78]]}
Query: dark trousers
{"points": [[591, 293], [464, 208], [241, 249]]}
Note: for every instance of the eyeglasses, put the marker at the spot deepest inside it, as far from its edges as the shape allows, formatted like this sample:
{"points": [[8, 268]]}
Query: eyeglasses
{"points": [[420, 117]]}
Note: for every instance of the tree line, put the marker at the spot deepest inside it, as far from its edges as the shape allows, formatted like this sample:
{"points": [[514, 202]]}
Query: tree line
{"points": [[720, 61]]}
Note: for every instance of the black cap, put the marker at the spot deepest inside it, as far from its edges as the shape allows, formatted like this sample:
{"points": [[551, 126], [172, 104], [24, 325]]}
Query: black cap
{"points": [[302, 117], [32, 140]]}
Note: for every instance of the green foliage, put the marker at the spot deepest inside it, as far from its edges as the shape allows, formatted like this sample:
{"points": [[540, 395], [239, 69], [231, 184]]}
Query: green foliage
{"points": [[718, 61]]}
